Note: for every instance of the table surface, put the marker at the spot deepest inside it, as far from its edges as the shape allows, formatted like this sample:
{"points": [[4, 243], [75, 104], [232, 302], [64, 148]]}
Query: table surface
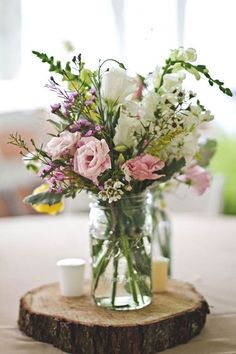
{"points": [[204, 254]]}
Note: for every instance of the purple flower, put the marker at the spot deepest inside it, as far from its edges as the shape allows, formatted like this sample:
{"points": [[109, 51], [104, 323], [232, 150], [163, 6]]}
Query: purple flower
{"points": [[93, 91], [97, 128], [85, 127], [69, 101], [55, 107], [58, 175], [88, 102], [52, 180], [44, 171], [81, 124], [84, 122], [75, 128], [66, 111], [59, 190], [89, 133], [72, 96], [47, 168], [67, 104]]}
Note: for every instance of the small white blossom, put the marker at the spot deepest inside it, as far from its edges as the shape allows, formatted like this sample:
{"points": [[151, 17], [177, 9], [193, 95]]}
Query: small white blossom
{"points": [[112, 191], [207, 116], [183, 145], [195, 110]]}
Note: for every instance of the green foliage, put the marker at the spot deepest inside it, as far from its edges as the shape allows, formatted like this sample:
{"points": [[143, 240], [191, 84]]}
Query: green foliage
{"points": [[224, 162], [171, 169], [196, 70], [49, 198], [204, 71], [17, 140], [55, 66], [206, 152]]}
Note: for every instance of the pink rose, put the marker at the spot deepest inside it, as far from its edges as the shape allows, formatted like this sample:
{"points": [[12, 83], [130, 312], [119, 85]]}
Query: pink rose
{"points": [[143, 167], [198, 177], [92, 158], [65, 143]]}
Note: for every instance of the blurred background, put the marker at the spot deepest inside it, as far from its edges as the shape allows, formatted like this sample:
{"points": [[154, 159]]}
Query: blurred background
{"points": [[139, 33]]}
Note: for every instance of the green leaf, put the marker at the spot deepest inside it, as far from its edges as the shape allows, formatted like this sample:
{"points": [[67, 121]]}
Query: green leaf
{"points": [[218, 82], [49, 198], [56, 67], [32, 167], [201, 105], [228, 92], [42, 153], [68, 68], [57, 125], [171, 169], [206, 152], [121, 65]]}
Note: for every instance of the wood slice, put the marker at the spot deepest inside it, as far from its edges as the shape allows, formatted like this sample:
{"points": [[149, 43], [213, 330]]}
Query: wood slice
{"points": [[76, 325]]}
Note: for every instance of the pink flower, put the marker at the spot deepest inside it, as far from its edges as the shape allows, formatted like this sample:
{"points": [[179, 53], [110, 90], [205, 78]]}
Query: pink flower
{"points": [[92, 158], [139, 89], [65, 143], [143, 167], [198, 177]]}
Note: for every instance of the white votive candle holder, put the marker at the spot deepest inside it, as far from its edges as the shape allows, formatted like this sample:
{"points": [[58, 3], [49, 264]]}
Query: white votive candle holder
{"points": [[71, 276], [159, 274]]}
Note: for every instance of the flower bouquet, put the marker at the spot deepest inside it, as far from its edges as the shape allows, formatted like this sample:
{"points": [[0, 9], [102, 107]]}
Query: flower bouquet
{"points": [[115, 137]]}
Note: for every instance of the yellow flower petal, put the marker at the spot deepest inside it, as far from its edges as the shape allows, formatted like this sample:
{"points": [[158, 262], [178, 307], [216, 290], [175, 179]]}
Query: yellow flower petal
{"points": [[43, 188], [49, 209], [46, 208]]}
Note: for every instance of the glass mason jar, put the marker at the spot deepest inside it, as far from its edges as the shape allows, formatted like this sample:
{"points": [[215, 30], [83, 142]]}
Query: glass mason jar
{"points": [[161, 243], [120, 236]]}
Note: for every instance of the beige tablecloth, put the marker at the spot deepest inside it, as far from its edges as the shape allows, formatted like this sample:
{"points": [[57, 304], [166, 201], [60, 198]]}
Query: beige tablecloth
{"points": [[204, 253]]}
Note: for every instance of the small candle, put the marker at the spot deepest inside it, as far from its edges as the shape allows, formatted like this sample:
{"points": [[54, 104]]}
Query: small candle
{"points": [[159, 274], [71, 276]]}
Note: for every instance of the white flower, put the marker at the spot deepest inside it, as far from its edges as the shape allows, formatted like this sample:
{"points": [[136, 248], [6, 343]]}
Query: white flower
{"points": [[150, 103], [170, 97], [116, 85], [125, 131], [133, 108], [194, 72], [156, 77], [177, 54], [183, 55], [207, 116], [191, 54], [185, 146], [173, 81], [195, 110], [177, 67]]}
